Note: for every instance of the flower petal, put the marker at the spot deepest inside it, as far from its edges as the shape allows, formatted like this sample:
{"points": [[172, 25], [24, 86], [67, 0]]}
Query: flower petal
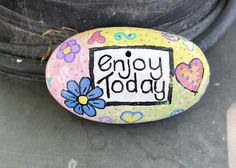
{"points": [[89, 110], [70, 103], [75, 48], [78, 109], [63, 45], [71, 42], [68, 95], [60, 54], [73, 87], [98, 103], [84, 85], [69, 57], [94, 93]]}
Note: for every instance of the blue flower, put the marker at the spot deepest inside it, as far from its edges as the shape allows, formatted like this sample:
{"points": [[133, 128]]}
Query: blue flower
{"points": [[82, 98]]}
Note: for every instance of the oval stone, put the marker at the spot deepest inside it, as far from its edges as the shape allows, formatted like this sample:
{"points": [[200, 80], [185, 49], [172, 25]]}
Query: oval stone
{"points": [[125, 75]]}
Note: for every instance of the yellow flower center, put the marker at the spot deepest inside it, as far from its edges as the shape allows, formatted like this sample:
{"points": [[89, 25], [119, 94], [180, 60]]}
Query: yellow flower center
{"points": [[67, 50], [83, 100]]}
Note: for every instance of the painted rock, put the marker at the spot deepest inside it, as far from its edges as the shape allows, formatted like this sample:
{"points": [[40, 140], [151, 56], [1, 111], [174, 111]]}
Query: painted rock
{"points": [[126, 75]]}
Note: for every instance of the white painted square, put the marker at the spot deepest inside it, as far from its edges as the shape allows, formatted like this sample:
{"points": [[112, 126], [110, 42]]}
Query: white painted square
{"points": [[138, 75]]}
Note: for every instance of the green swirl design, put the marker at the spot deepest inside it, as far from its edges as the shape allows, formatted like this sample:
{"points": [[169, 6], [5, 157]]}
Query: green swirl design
{"points": [[119, 35]]}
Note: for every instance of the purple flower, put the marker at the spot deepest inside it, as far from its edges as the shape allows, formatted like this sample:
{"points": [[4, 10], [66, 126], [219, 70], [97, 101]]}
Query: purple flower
{"points": [[170, 37], [68, 50]]}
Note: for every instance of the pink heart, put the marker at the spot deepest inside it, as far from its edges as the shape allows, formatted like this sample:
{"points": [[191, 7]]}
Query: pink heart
{"points": [[96, 37], [190, 76]]}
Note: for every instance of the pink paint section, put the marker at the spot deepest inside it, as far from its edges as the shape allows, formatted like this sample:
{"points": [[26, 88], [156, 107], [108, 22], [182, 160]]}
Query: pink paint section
{"points": [[61, 71], [96, 37]]}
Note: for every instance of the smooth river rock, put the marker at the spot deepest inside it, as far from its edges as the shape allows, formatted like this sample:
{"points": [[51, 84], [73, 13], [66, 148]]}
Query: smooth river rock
{"points": [[125, 75]]}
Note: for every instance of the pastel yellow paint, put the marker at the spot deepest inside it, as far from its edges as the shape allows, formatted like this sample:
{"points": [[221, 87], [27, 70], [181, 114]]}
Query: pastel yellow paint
{"points": [[83, 100], [128, 117], [139, 75], [67, 50]]}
